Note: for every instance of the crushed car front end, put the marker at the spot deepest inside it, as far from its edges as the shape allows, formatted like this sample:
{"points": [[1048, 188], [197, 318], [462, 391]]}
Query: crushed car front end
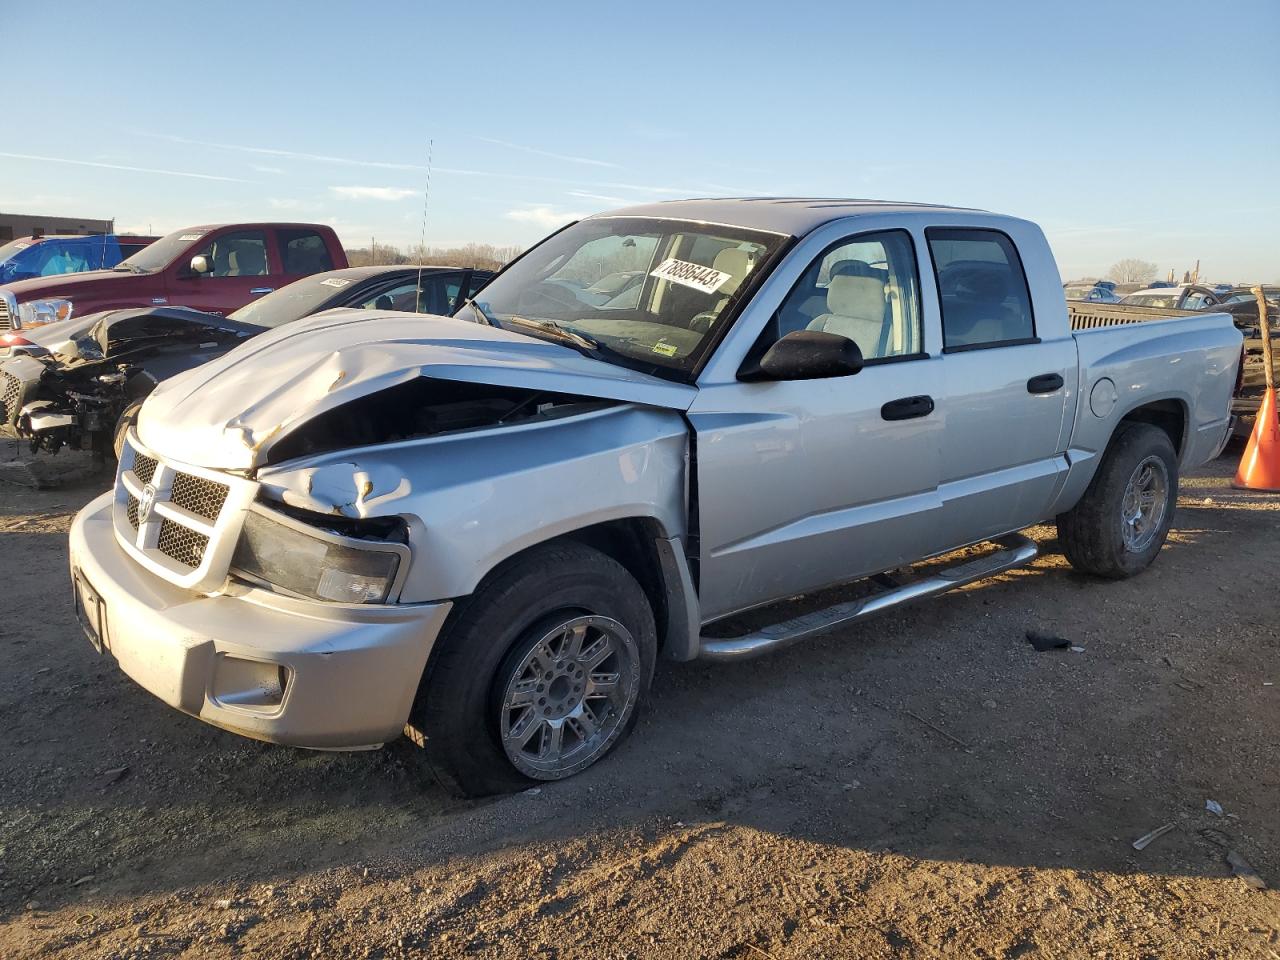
{"points": [[153, 565], [292, 585]]}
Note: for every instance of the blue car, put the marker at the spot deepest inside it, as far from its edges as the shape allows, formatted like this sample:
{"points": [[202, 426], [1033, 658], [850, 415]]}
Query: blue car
{"points": [[47, 256]]}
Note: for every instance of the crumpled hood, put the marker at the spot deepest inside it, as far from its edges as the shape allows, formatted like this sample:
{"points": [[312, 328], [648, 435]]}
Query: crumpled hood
{"points": [[228, 413]]}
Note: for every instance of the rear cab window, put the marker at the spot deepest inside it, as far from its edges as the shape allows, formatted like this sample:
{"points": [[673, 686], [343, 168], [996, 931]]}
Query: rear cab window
{"points": [[303, 252], [982, 289]]}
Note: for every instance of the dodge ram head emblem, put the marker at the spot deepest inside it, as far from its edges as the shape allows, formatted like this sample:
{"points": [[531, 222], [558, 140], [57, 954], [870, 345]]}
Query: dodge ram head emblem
{"points": [[145, 503]]}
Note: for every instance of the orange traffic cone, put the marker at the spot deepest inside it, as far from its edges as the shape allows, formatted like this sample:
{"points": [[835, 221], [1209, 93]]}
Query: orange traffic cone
{"points": [[1260, 465]]}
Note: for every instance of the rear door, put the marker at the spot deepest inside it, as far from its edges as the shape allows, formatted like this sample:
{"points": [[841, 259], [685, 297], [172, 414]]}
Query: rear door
{"points": [[240, 271], [1006, 388]]}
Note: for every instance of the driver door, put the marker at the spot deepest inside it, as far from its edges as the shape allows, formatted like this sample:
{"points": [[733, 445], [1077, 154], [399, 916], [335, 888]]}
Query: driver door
{"points": [[239, 273], [807, 483]]}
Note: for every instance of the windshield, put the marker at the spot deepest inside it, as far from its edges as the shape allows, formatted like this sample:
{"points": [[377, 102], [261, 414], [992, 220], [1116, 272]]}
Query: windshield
{"points": [[12, 247], [51, 258], [160, 254], [292, 302], [1079, 293], [637, 291]]}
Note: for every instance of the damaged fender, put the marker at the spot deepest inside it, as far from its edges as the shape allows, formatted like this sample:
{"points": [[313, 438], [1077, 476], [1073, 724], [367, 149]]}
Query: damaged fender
{"points": [[473, 499]]}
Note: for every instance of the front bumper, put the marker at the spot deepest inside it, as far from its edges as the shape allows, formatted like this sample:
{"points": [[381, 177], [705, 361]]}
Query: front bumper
{"points": [[349, 673]]}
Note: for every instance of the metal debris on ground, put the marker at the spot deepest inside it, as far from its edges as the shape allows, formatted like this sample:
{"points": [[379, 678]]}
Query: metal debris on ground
{"points": [[1046, 641], [1143, 841], [1244, 870]]}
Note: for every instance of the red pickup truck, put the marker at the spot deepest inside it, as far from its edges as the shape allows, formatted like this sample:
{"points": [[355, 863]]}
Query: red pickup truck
{"points": [[217, 268]]}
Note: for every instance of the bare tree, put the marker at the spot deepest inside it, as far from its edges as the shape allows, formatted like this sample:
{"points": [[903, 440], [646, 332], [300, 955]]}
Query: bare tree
{"points": [[485, 256], [1132, 270]]}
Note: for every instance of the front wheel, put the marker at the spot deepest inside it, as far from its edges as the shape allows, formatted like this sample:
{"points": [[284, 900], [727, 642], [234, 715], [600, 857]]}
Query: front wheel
{"points": [[1123, 519], [539, 674], [126, 420]]}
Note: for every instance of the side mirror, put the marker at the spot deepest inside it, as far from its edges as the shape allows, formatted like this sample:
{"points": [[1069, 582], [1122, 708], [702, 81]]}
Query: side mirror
{"points": [[200, 265], [810, 355]]}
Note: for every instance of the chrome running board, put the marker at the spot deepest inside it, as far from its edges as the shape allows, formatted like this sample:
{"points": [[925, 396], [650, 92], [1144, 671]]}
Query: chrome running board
{"points": [[1015, 551]]}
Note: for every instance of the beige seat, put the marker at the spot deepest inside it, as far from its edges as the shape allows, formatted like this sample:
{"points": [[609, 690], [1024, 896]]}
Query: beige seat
{"points": [[855, 309], [737, 263], [246, 259]]}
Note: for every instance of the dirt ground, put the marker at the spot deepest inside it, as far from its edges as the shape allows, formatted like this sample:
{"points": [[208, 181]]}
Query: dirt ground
{"points": [[923, 785]]}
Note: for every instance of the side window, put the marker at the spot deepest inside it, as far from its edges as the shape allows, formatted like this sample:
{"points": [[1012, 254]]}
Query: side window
{"points": [[864, 288], [439, 294], [400, 297], [982, 288], [242, 253], [303, 252], [478, 279]]}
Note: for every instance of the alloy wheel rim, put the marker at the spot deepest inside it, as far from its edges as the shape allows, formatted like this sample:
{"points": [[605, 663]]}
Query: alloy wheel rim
{"points": [[1143, 507], [569, 697]]}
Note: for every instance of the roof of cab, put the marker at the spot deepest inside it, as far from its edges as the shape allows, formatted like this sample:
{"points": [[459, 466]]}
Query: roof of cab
{"points": [[795, 216]]}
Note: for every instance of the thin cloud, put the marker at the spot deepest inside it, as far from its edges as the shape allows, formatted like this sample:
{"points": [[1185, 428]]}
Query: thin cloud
{"points": [[122, 166], [546, 217], [261, 169], [374, 193], [546, 153], [387, 165], [599, 196]]}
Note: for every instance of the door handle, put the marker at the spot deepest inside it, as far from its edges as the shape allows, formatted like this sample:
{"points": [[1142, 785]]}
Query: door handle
{"points": [[907, 408], [262, 290], [1045, 383]]}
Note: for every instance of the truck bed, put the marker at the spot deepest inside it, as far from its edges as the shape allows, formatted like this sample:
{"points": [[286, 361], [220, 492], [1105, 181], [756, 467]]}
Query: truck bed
{"points": [[1088, 316]]}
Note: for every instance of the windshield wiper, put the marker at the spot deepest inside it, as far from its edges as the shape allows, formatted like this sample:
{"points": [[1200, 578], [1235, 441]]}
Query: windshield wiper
{"points": [[556, 330], [127, 268]]}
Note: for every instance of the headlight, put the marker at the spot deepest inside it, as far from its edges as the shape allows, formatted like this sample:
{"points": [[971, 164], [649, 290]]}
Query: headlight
{"points": [[36, 313], [318, 564]]}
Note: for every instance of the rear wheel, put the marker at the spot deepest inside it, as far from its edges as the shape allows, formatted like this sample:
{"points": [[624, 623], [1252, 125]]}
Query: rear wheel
{"points": [[1123, 519], [539, 674]]}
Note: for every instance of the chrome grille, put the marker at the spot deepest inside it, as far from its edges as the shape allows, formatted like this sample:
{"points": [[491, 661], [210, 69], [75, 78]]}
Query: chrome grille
{"points": [[6, 318], [179, 521], [181, 543], [10, 398], [144, 467], [202, 497]]}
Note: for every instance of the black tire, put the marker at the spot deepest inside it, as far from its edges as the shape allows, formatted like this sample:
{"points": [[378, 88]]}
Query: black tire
{"points": [[127, 420], [457, 714], [1093, 532]]}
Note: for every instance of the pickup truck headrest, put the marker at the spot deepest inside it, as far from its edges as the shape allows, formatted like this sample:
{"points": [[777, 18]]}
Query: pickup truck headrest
{"points": [[861, 297], [737, 263]]}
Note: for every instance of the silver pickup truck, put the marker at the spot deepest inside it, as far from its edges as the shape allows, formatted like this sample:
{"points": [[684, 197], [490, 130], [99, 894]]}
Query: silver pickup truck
{"points": [[483, 530]]}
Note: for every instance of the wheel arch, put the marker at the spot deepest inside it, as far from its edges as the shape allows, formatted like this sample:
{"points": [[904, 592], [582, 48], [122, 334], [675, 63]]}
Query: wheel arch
{"points": [[1170, 414], [651, 554]]}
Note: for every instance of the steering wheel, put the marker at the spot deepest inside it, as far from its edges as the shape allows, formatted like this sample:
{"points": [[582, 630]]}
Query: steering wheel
{"points": [[550, 293]]}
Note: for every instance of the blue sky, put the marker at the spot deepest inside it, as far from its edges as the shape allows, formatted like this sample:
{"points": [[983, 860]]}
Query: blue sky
{"points": [[1149, 130]]}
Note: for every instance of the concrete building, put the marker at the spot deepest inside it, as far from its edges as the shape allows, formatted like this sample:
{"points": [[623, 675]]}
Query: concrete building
{"points": [[23, 225]]}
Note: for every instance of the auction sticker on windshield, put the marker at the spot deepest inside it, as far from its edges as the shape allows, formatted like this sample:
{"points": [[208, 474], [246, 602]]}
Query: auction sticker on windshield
{"points": [[695, 275], [335, 282]]}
